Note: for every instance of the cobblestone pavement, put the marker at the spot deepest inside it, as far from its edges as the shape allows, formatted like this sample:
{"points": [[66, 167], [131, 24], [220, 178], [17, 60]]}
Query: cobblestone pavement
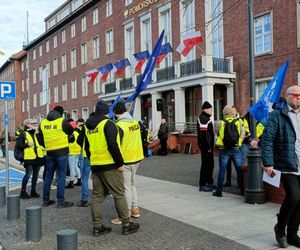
{"points": [[156, 232]]}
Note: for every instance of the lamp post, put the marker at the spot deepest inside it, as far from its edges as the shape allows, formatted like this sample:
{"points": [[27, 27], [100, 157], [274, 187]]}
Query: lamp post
{"points": [[254, 191]]}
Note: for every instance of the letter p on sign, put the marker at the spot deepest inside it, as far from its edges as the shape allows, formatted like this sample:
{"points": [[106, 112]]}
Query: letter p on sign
{"points": [[7, 91]]}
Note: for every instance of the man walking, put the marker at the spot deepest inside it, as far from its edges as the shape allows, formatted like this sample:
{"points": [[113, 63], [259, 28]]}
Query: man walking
{"points": [[53, 137], [205, 132], [103, 144], [281, 150]]}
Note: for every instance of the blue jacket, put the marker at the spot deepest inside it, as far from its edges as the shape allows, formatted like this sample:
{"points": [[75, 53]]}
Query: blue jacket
{"points": [[278, 142]]}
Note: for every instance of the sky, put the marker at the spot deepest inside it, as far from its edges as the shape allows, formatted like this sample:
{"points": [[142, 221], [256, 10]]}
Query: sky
{"points": [[13, 23]]}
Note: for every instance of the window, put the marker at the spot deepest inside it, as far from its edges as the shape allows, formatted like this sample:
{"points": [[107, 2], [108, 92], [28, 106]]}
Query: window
{"points": [[33, 54], [74, 89], [84, 84], [165, 23], [64, 92], [55, 67], [42, 98], [34, 100], [27, 83], [73, 30], [74, 114], [109, 37], [63, 36], [129, 47], [55, 42], [96, 50], [41, 50], [146, 34], [23, 106], [260, 88], [95, 16], [34, 76], [48, 68], [47, 46], [85, 113], [64, 62], [40, 73], [97, 85], [83, 24], [73, 58], [127, 2], [22, 66], [262, 34], [83, 53], [23, 85], [55, 94], [108, 8]]}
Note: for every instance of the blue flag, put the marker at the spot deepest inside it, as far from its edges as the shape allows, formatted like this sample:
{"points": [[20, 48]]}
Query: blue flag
{"points": [[111, 108], [260, 110], [147, 75]]}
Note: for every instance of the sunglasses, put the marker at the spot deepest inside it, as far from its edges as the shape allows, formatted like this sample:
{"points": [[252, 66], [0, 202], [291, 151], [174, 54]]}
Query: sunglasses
{"points": [[294, 95]]}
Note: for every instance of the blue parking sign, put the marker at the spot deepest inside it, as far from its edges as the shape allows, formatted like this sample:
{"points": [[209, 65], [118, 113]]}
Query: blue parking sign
{"points": [[7, 91]]}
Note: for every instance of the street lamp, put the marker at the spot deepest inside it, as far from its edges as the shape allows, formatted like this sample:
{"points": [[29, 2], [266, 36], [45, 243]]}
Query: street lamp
{"points": [[254, 191]]}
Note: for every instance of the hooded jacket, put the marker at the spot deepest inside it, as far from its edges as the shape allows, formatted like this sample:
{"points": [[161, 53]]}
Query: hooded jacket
{"points": [[66, 127], [111, 132], [205, 132]]}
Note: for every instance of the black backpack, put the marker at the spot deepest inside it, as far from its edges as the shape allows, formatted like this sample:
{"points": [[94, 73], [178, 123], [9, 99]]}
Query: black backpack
{"points": [[19, 152], [231, 134]]}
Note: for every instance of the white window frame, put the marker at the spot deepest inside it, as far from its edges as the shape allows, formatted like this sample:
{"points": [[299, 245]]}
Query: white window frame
{"points": [[73, 58], [55, 66], [64, 62], [95, 16], [109, 7], [73, 30], [55, 41], [22, 66], [83, 24], [34, 54], [23, 105], [84, 86], [96, 47], [263, 34], [109, 41], [97, 85], [23, 85], [129, 46], [40, 73], [74, 89], [74, 114], [84, 54], [64, 91], [85, 113], [34, 97], [47, 46], [41, 50], [55, 94], [34, 76], [63, 36]]}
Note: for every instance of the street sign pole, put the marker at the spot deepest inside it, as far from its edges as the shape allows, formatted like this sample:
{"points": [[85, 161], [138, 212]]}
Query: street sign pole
{"points": [[6, 149]]}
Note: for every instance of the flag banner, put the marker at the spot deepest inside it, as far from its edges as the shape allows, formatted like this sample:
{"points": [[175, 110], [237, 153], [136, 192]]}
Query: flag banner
{"points": [[260, 110], [139, 59], [165, 49], [188, 42], [120, 66], [147, 75], [111, 108], [92, 75], [105, 70]]}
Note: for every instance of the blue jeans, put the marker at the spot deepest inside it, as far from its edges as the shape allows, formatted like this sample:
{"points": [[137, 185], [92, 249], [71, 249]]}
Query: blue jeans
{"points": [[58, 164], [224, 154], [34, 170], [245, 149], [73, 166], [85, 175]]}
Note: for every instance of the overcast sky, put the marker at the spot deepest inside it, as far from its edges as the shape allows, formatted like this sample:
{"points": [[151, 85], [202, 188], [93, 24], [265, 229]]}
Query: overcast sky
{"points": [[13, 22]]}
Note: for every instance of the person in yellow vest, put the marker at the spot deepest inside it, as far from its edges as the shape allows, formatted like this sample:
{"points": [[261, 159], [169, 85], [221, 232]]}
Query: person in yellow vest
{"points": [[33, 157], [132, 151], [73, 159], [107, 164], [229, 140], [54, 131]]}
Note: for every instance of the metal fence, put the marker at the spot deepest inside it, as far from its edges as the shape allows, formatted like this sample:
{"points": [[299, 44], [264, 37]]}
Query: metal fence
{"points": [[183, 127], [221, 65], [191, 68], [126, 83], [110, 87], [165, 74]]}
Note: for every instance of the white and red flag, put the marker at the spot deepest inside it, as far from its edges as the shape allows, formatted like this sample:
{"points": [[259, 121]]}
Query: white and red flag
{"points": [[188, 42], [92, 74]]}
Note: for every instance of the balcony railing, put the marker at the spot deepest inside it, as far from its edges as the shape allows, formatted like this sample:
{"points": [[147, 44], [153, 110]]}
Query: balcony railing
{"points": [[191, 68], [126, 83], [221, 65], [110, 88], [165, 74]]}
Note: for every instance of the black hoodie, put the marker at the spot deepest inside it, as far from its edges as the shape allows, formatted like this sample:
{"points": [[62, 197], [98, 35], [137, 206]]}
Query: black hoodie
{"points": [[111, 132], [66, 127]]}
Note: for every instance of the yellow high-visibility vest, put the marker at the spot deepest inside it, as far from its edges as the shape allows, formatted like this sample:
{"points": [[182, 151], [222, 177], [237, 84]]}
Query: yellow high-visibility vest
{"points": [[54, 136], [131, 145], [74, 148], [29, 153]]}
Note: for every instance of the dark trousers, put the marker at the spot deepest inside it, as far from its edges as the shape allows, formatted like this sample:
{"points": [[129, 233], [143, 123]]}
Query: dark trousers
{"points": [[289, 214], [163, 146], [207, 168], [228, 172], [34, 170]]}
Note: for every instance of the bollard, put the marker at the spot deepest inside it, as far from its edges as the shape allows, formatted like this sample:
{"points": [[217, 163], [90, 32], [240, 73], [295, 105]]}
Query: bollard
{"points": [[33, 223], [67, 239], [255, 192], [13, 207], [2, 196]]}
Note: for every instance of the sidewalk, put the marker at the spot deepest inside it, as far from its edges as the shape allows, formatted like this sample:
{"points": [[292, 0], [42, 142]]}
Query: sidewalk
{"points": [[174, 216]]}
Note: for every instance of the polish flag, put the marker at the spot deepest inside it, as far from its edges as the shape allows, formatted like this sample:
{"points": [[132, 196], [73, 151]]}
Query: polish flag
{"points": [[139, 59], [164, 50], [120, 66], [188, 42], [92, 74], [105, 70]]}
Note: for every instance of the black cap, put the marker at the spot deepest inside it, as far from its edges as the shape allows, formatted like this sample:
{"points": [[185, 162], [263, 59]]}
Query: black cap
{"points": [[59, 109], [120, 107], [206, 105], [101, 108], [80, 120]]}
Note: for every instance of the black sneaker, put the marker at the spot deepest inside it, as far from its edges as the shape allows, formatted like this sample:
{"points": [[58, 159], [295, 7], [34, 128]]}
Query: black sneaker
{"points": [[78, 183], [24, 195], [227, 184], [218, 193], [70, 185], [82, 203], [35, 195], [97, 231], [130, 228], [48, 203], [280, 237], [64, 204], [293, 240]]}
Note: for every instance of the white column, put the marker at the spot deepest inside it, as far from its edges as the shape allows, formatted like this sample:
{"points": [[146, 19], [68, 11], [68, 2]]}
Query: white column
{"points": [[230, 96], [208, 91], [207, 63], [137, 109], [179, 109], [156, 115]]}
